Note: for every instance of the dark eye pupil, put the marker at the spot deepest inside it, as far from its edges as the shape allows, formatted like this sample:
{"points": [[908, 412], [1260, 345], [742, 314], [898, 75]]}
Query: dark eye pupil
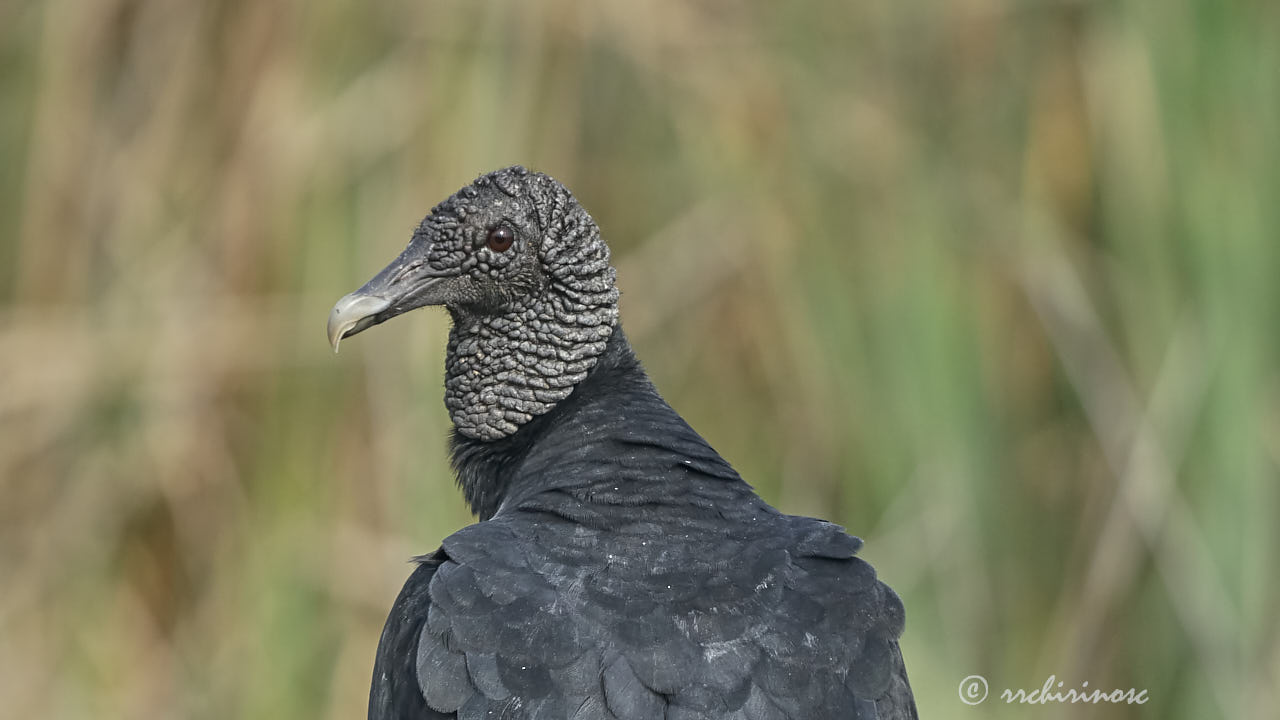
{"points": [[500, 239]]}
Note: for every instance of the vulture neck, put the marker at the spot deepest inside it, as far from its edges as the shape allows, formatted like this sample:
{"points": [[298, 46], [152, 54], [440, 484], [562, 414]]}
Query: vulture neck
{"points": [[613, 442]]}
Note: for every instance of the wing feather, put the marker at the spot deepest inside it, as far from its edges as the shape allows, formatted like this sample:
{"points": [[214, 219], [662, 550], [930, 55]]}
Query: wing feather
{"points": [[785, 625]]}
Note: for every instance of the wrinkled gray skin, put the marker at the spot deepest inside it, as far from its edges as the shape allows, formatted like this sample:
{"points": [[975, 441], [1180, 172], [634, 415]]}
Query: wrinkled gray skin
{"points": [[528, 323]]}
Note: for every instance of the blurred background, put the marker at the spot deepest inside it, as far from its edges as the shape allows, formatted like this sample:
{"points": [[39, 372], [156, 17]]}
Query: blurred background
{"points": [[991, 283]]}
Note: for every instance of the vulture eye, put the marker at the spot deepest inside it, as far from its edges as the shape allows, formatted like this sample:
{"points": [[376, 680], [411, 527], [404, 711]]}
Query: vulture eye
{"points": [[500, 239]]}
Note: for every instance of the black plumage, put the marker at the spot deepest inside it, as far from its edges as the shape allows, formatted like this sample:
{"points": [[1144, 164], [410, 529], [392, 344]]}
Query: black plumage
{"points": [[621, 568]]}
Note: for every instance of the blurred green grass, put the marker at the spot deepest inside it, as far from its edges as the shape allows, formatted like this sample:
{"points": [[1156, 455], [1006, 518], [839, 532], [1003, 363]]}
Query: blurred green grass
{"points": [[992, 283]]}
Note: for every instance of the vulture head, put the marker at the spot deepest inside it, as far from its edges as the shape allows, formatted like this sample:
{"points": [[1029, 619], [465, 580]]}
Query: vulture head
{"points": [[525, 275]]}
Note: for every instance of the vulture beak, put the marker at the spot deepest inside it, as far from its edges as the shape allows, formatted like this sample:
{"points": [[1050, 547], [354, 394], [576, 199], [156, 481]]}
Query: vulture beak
{"points": [[353, 313], [405, 284]]}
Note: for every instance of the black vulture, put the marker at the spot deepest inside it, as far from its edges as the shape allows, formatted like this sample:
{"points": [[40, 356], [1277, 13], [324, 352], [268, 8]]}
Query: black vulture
{"points": [[620, 567]]}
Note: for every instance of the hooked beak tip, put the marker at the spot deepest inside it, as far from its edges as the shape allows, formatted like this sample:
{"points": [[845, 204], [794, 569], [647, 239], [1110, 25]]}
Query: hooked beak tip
{"points": [[353, 313]]}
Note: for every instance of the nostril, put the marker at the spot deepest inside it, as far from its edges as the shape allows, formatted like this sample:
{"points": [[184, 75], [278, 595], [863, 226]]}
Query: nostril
{"points": [[405, 271]]}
